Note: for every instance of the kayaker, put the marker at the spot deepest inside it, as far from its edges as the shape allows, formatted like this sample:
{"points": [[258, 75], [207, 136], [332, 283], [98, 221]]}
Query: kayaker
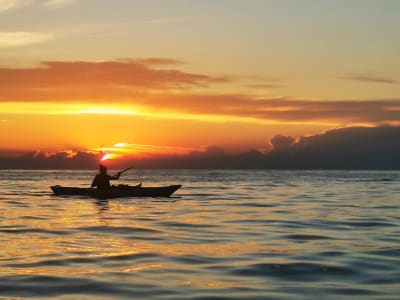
{"points": [[102, 180]]}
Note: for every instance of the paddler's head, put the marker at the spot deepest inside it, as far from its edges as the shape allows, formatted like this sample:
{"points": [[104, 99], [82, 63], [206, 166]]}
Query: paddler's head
{"points": [[103, 169]]}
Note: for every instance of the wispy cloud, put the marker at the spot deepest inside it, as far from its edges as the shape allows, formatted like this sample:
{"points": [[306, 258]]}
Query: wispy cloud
{"points": [[265, 86], [21, 39], [154, 61], [127, 76], [109, 28], [9, 5], [156, 88], [58, 3], [166, 20], [260, 82], [372, 79], [12, 5]]}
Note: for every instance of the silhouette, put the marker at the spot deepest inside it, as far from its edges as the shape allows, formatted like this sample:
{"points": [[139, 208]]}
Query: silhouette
{"points": [[359, 148], [102, 180]]}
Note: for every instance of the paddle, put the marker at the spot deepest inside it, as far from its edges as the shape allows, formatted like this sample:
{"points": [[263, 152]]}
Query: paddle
{"points": [[123, 171]]}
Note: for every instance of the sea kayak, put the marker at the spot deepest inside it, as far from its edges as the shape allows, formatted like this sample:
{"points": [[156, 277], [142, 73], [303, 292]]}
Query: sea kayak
{"points": [[116, 191]]}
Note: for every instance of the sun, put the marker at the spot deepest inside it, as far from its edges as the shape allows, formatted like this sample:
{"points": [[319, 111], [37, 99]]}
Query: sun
{"points": [[106, 157], [107, 110]]}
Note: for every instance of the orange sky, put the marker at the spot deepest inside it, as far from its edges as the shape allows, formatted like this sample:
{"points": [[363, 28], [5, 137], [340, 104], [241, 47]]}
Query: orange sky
{"points": [[182, 86], [89, 105]]}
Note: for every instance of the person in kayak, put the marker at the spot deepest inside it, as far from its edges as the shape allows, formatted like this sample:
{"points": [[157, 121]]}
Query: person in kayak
{"points": [[102, 180]]}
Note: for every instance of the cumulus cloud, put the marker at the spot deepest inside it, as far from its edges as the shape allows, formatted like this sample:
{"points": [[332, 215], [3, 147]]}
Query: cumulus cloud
{"points": [[21, 39], [345, 148], [43, 160], [281, 142]]}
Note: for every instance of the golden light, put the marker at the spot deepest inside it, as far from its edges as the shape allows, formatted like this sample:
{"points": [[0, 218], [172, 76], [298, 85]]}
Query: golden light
{"points": [[106, 156], [120, 145], [46, 108], [106, 111], [121, 149]]}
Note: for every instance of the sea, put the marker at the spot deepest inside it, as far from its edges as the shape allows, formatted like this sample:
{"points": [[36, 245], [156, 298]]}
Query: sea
{"points": [[237, 234]]}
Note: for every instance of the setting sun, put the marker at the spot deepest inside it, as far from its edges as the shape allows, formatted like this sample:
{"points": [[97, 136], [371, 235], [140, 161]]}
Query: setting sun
{"points": [[107, 156]]}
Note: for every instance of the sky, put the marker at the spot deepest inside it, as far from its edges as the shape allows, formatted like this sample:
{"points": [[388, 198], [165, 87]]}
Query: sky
{"points": [[176, 76]]}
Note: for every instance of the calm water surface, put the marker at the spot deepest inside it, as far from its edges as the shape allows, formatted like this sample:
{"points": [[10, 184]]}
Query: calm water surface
{"points": [[225, 235]]}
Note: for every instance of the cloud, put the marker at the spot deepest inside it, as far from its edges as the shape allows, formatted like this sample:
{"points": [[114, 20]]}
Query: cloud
{"points": [[364, 148], [154, 61], [12, 5], [344, 148], [283, 109], [44, 160], [281, 142], [112, 75], [21, 39], [163, 20], [372, 79], [58, 3], [156, 86], [265, 86], [9, 5], [260, 82]]}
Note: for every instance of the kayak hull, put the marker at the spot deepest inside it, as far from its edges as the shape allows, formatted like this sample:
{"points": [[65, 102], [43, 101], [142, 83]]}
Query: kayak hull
{"points": [[118, 191]]}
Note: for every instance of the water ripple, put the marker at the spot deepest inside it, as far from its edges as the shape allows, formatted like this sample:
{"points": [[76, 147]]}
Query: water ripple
{"points": [[117, 229], [23, 231], [231, 235], [296, 271], [53, 286]]}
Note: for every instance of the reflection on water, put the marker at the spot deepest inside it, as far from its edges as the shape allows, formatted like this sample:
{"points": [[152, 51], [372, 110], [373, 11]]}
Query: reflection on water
{"points": [[102, 205], [228, 234]]}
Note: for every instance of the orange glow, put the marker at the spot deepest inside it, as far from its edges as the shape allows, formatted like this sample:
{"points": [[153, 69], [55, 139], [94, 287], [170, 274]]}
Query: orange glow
{"points": [[99, 132], [145, 148], [88, 105], [44, 108], [121, 150]]}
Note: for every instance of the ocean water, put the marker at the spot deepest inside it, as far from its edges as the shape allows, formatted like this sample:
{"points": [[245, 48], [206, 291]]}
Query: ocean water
{"points": [[224, 235]]}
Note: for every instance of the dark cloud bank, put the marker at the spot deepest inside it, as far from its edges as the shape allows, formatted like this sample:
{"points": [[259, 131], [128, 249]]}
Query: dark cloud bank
{"points": [[346, 148]]}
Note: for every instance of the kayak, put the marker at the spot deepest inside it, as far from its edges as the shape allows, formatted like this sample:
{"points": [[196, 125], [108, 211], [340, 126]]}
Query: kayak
{"points": [[116, 191]]}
